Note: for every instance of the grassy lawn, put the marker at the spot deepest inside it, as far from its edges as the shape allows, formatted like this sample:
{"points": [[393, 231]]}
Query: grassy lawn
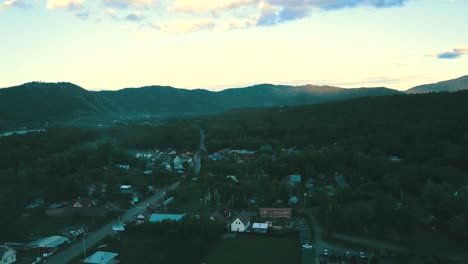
{"points": [[41, 225], [187, 198], [138, 248], [254, 250]]}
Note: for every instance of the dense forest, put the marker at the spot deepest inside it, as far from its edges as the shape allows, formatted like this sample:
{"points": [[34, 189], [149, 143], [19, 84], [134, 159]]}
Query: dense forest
{"points": [[427, 132], [426, 189]]}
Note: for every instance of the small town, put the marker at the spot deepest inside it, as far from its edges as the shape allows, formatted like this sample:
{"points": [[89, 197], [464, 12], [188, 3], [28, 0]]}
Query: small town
{"points": [[166, 187]]}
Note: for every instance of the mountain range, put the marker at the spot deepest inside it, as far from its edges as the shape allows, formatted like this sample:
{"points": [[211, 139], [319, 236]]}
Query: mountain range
{"points": [[33, 104]]}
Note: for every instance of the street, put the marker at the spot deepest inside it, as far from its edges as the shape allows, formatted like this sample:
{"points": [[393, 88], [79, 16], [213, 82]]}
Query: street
{"points": [[79, 246]]}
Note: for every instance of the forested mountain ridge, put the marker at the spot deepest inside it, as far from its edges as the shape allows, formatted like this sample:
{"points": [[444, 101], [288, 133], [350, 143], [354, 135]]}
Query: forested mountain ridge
{"points": [[444, 86], [34, 104]]}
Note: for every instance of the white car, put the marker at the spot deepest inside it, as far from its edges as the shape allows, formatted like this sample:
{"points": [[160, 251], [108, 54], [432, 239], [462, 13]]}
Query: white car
{"points": [[306, 246]]}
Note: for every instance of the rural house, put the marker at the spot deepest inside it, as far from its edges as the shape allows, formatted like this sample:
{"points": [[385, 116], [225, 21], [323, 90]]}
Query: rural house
{"points": [[82, 203], [241, 223], [275, 213], [260, 227], [155, 218], [7, 255], [102, 257]]}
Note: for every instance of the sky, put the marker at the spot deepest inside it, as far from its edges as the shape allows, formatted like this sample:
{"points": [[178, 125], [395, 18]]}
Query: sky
{"points": [[212, 44]]}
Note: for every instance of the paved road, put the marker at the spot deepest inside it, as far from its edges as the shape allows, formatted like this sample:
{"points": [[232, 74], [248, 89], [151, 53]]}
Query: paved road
{"points": [[76, 249]]}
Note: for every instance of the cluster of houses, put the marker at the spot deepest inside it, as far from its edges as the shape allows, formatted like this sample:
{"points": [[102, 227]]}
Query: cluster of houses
{"points": [[244, 222], [80, 206], [240, 155], [171, 160]]}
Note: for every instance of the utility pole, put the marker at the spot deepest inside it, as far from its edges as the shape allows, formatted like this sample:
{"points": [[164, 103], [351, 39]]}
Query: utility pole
{"points": [[84, 244]]}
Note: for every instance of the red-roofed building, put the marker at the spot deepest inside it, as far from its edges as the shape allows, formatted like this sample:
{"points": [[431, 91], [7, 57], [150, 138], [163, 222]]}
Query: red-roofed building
{"points": [[275, 213]]}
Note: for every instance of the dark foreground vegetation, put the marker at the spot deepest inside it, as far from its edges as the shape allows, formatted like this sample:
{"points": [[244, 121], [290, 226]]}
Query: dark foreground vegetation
{"points": [[403, 156]]}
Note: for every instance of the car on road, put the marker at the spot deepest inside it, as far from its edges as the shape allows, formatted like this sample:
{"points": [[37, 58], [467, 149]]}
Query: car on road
{"points": [[306, 246]]}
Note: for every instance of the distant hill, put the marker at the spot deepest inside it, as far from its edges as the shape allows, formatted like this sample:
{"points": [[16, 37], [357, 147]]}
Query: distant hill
{"points": [[33, 104], [445, 86]]}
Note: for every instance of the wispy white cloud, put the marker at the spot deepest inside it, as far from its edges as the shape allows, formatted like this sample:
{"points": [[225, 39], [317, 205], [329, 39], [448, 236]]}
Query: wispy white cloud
{"points": [[185, 16], [135, 16], [123, 4], [67, 4], [16, 3], [200, 6], [185, 26], [455, 53], [237, 24], [280, 11]]}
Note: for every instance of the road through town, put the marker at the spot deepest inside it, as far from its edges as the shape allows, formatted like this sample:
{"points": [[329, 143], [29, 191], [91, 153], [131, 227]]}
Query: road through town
{"points": [[79, 247]]}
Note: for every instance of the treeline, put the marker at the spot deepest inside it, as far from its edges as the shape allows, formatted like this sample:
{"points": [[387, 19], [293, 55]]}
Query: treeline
{"points": [[424, 128], [62, 162], [188, 227], [426, 190]]}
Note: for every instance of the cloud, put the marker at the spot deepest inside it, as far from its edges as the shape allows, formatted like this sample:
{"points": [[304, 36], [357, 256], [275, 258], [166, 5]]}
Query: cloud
{"points": [[453, 54], [279, 11], [194, 15], [124, 4], [113, 14], [67, 4], [201, 6], [83, 15], [185, 26], [237, 24], [15, 3], [135, 16]]}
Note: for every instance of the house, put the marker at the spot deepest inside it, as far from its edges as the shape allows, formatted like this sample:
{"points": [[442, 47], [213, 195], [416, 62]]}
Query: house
{"points": [[179, 162], [295, 178], [123, 166], [73, 231], [395, 159], [7, 254], [241, 223], [102, 257], [266, 148], [217, 217], [126, 190], [233, 178], [156, 218], [118, 227], [260, 227], [340, 181], [82, 203], [216, 156], [293, 200], [275, 213], [142, 216], [167, 166], [47, 245]]}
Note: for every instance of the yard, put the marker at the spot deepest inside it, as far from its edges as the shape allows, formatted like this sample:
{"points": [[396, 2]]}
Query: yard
{"points": [[254, 250], [138, 248]]}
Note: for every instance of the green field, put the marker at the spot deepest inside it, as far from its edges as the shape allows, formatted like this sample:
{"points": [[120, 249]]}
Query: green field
{"points": [[254, 250], [138, 248]]}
